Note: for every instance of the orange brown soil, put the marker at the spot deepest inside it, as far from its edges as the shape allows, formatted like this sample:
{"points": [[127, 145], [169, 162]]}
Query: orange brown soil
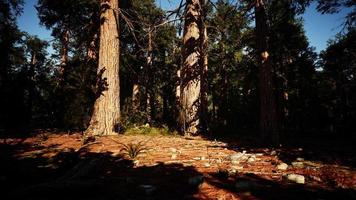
{"points": [[59, 166]]}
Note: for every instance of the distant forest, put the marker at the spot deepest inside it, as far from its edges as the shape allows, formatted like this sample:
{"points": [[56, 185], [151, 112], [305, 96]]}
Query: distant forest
{"points": [[206, 67]]}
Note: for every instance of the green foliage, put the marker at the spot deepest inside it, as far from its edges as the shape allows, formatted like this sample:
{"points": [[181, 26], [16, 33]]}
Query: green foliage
{"points": [[132, 150], [150, 131]]}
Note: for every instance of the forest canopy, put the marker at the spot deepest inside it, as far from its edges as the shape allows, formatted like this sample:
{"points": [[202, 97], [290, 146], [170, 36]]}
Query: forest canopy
{"points": [[217, 67]]}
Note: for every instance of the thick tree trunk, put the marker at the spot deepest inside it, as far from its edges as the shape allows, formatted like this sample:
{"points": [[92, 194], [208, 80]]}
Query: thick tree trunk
{"points": [[191, 70], [268, 111], [204, 81], [106, 115]]}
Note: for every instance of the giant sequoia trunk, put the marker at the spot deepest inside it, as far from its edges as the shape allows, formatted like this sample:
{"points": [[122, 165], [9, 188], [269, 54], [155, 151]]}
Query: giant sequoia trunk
{"points": [[268, 111], [106, 114], [190, 95]]}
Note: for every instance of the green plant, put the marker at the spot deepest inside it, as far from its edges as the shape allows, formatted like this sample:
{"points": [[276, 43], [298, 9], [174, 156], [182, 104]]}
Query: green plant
{"points": [[132, 150]]}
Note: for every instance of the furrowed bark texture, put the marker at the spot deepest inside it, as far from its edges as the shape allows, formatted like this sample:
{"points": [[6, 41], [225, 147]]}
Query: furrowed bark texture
{"points": [[106, 115], [191, 69], [268, 110]]}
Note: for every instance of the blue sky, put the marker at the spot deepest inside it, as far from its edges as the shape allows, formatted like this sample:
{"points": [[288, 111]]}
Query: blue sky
{"points": [[319, 28]]}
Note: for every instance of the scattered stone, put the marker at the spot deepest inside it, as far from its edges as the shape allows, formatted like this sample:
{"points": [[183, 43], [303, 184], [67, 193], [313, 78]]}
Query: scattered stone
{"points": [[315, 178], [232, 172], [300, 159], [174, 156], [173, 150], [207, 165], [196, 180], [136, 162], [235, 162], [282, 166], [251, 159], [296, 178], [298, 164], [237, 156], [148, 189], [273, 153], [196, 158], [202, 158]]}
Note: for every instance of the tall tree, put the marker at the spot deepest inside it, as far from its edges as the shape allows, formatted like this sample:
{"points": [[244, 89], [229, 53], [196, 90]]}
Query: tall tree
{"points": [[268, 111], [192, 68], [105, 119]]}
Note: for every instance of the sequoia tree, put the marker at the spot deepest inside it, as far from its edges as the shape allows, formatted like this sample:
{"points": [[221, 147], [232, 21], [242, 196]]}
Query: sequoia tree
{"points": [[106, 114], [268, 110], [193, 67]]}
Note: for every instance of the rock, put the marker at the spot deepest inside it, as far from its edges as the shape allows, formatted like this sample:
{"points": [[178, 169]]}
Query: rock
{"points": [[196, 158], [173, 150], [196, 180], [282, 166], [237, 156], [207, 165], [235, 162], [296, 178], [251, 159], [273, 153], [148, 189], [298, 164], [202, 158], [174, 156], [300, 159]]}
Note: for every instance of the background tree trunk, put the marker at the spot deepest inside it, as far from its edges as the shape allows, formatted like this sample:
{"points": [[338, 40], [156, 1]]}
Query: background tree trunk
{"points": [[106, 115], [268, 112]]}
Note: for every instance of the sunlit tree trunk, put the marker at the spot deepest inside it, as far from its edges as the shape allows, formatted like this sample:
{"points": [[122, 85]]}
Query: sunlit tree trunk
{"points": [[204, 80], [191, 70], [106, 114], [268, 111]]}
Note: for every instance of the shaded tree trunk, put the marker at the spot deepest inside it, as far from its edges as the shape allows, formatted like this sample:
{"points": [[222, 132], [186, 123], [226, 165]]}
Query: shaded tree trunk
{"points": [[64, 51], [191, 70], [150, 101], [106, 114], [268, 111], [31, 85]]}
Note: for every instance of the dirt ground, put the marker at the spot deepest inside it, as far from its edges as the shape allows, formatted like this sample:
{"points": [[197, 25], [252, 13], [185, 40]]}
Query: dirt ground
{"points": [[58, 166]]}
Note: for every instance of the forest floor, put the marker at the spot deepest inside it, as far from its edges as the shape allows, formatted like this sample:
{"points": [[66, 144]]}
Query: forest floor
{"points": [[58, 166]]}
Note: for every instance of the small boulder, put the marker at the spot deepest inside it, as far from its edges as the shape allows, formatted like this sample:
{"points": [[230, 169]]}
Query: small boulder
{"points": [[296, 178], [282, 166], [298, 164]]}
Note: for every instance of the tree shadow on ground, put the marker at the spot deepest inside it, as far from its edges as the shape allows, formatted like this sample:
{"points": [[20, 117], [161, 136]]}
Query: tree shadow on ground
{"points": [[81, 174], [328, 149], [251, 186]]}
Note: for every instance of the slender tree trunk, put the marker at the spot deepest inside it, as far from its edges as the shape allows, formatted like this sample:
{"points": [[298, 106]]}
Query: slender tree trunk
{"points": [[135, 97], [148, 79], [106, 115], [268, 111], [31, 86], [64, 51], [191, 70]]}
